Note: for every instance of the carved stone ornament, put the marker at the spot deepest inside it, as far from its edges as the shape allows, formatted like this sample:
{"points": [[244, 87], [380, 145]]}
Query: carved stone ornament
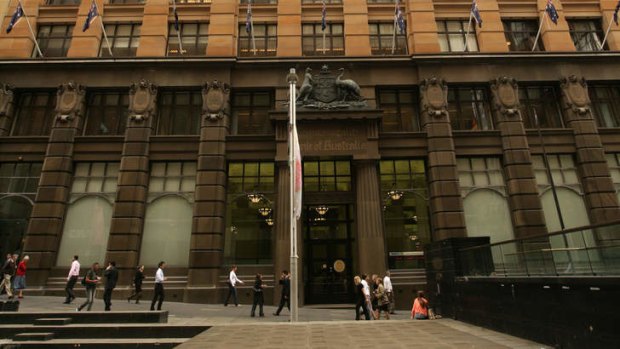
{"points": [[506, 95], [214, 100], [142, 100], [435, 96], [327, 90], [69, 101], [575, 92], [6, 99]]}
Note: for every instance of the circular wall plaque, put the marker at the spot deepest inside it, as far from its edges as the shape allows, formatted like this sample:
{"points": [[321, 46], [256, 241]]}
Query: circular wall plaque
{"points": [[339, 266]]}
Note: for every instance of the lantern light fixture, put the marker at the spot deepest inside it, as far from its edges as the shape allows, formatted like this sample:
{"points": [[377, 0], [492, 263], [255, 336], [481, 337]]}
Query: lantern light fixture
{"points": [[321, 210]]}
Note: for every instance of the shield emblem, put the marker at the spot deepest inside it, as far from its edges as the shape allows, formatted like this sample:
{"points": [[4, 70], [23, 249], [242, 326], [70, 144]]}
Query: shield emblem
{"points": [[68, 101], [435, 96], [325, 90], [577, 95], [507, 95]]}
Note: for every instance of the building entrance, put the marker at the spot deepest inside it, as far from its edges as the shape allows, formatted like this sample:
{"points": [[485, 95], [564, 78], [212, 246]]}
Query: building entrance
{"points": [[328, 243]]}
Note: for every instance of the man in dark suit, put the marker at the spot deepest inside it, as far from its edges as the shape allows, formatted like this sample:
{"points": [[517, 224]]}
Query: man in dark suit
{"points": [[111, 275], [285, 281]]}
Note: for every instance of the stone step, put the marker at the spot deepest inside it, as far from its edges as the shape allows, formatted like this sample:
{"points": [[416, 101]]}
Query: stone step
{"points": [[90, 317], [116, 330], [107, 343], [47, 321], [33, 336]]}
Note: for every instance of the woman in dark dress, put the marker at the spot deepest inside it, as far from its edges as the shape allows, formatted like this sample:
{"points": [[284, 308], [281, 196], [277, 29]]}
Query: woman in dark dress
{"points": [[360, 299], [258, 295], [137, 284]]}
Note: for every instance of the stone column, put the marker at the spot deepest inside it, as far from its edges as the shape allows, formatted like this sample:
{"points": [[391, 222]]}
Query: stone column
{"points": [[154, 31], [282, 244], [87, 43], [209, 220], [133, 181], [598, 187], [490, 36], [18, 43], [421, 27], [223, 26], [607, 8], [527, 212], [555, 37], [46, 221], [356, 30], [370, 235], [446, 203], [6, 109], [289, 28]]}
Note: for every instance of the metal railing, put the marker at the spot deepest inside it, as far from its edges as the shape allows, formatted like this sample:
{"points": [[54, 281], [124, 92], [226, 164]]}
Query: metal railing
{"points": [[583, 251]]}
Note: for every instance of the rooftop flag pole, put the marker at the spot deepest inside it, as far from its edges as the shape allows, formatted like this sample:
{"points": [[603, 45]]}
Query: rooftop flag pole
{"points": [[471, 15], [249, 26], [542, 21], [92, 15], [324, 23], [551, 12], [614, 18], [396, 8], [176, 25], [474, 14], [17, 16]]}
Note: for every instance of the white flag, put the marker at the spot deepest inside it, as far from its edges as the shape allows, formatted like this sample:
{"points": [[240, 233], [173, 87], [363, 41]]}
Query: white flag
{"points": [[298, 174]]}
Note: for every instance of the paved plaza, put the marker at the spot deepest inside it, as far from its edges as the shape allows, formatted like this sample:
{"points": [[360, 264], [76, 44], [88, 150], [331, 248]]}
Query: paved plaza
{"points": [[318, 328]]}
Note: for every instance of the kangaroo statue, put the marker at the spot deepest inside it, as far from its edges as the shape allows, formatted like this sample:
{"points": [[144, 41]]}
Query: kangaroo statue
{"points": [[348, 88], [306, 87]]}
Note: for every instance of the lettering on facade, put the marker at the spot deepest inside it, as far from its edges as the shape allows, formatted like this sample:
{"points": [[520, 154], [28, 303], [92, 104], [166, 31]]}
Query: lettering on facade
{"points": [[329, 138]]}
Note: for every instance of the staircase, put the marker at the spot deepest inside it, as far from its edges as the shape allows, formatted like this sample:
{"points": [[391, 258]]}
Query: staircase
{"points": [[406, 283], [93, 330]]}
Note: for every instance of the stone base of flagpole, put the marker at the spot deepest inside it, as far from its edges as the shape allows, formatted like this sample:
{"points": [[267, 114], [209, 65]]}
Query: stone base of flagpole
{"points": [[294, 288]]}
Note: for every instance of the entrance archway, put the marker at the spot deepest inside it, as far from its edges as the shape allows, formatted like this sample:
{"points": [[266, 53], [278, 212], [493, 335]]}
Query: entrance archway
{"points": [[14, 215]]}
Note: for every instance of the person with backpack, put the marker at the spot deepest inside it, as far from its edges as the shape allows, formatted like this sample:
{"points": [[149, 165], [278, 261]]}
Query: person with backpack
{"points": [[420, 307], [383, 302], [90, 281]]}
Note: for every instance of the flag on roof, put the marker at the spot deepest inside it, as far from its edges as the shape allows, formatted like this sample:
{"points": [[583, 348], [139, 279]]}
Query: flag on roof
{"points": [[93, 12], [324, 17], [552, 12], [476, 13], [400, 19], [17, 15]]}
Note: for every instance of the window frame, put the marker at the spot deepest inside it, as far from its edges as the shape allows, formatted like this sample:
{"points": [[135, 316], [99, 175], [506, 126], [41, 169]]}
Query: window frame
{"points": [[194, 111], [400, 48], [591, 34], [443, 31], [43, 42], [172, 34], [613, 103], [317, 39], [131, 39], [527, 104], [457, 119], [262, 42], [416, 124], [509, 38], [121, 108], [49, 112], [252, 109]]}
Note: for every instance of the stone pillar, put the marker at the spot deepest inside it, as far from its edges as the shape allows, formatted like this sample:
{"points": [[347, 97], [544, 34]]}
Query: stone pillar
{"points": [[223, 26], [154, 31], [6, 109], [490, 36], [607, 8], [133, 181], [370, 235], [598, 187], [46, 221], [356, 30], [555, 37], [86, 44], [448, 218], [282, 230], [18, 43], [209, 219], [421, 27], [289, 28], [527, 212]]}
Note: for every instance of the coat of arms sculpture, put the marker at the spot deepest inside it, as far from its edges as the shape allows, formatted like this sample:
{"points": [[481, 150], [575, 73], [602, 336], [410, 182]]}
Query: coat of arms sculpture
{"points": [[326, 90]]}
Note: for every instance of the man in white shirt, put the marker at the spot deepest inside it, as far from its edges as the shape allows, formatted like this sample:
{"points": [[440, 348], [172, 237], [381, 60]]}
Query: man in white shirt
{"points": [[366, 291], [232, 282], [74, 274], [389, 290], [158, 293]]}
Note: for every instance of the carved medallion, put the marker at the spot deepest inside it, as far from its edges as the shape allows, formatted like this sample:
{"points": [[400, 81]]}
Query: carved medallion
{"points": [[69, 101], [142, 100], [434, 97], [6, 100], [505, 95], [575, 94], [215, 100], [327, 90]]}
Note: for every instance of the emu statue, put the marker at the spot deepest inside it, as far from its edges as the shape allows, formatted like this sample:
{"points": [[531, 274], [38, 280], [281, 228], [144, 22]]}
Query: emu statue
{"points": [[348, 88], [306, 87]]}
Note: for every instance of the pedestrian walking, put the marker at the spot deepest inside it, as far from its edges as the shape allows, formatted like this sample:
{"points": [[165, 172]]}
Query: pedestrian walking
{"points": [[259, 299], [232, 286], [111, 277], [420, 307], [383, 303], [366, 290], [285, 281], [74, 274], [8, 270], [387, 283], [19, 284], [137, 285], [158, 293], [360, 299], [373, 298], [91, 279]]}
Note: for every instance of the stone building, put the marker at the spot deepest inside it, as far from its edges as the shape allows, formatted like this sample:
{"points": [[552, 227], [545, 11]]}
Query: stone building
{"points": [[154, 152]]}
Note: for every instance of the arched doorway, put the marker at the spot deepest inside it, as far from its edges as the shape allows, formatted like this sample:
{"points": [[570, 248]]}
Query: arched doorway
{"points": [[14, 215]]}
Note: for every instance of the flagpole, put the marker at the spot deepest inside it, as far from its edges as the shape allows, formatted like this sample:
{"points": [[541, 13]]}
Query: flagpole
{"points": [[294, 314], [105, 35], [323, 41], [395, 24], [174, 10], [542, 21], [34, 39], [252, 27], [607, 32], [471, 15]]}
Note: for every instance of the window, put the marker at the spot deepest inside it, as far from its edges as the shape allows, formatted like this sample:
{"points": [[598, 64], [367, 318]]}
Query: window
{"points": [[407, 223], [520, 35], [63, 2], [248, 236], [469, 108], [453, 34], [34, 114], [264, 43], [587, 34], [123, 40], [382, 39], [193, 37], [127, 2], [193, 1], [95, 177], [321, 1], [54, 40], [172, 177], [327, 176], [380, 1], [613, 160], [179, 113], [313, 44], [480, 173], [106, 113], [251, 112], [22, 178], [259, 2], [544, 101], [400, 110], [606, 104]]}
